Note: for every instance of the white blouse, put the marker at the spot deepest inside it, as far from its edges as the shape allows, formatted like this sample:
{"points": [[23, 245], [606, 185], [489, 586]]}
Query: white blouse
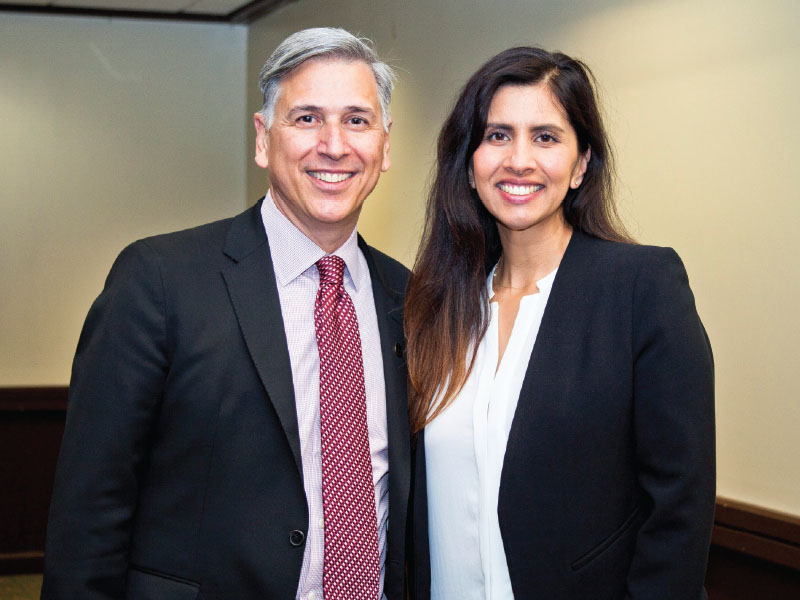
{"points": [[464, 451]]}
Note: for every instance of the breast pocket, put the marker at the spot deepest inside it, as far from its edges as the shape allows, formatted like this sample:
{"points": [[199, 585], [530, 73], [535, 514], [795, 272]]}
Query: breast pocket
{"points": [[617, 539], [148, 585]]}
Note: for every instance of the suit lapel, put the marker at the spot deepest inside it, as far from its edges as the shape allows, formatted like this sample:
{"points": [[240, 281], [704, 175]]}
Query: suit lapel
{"points": [[250, 279], [251, 284], [389, 309]]}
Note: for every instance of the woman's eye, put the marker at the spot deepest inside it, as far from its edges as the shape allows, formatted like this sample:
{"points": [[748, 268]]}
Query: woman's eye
{"points": [[546, 138], [496, 136]]}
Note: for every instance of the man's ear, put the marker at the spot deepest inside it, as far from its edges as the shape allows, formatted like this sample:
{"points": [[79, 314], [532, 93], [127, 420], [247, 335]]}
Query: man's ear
{"points": [[262, 141], [386, 160]]}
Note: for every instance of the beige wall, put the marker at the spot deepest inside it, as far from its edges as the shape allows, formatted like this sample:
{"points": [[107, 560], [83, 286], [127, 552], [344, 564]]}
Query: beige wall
{"points": [[110, 130], [701, 99]]}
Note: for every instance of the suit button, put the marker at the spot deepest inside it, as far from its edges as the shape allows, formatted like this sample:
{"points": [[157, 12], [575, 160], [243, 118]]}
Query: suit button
{"points": [[398, 350], [297, 537]]}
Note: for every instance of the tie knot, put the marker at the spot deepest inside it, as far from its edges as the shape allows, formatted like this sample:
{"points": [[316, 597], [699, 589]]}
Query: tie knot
{"points": [[331, 270]]}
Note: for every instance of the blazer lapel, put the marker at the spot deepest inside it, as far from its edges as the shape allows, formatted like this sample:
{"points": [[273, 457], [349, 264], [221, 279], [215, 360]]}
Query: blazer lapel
{"points": [[566, 297], [250, 279]]}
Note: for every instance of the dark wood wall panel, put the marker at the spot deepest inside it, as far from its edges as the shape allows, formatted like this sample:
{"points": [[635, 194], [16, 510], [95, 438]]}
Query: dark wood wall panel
{"points": [[732, 575], [31, 426], [755, 552]]}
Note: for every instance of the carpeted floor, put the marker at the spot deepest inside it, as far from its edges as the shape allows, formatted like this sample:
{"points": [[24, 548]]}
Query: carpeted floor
{"points": [[20, 587]]}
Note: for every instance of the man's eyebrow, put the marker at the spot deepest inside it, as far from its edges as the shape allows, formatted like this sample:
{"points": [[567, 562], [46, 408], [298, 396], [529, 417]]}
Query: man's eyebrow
{"points": [[303, 108], [359, 109], [315, 108]]}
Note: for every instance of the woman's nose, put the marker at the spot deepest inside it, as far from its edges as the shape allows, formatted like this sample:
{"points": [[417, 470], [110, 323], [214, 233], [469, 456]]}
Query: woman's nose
{"points": [[521, 157]]}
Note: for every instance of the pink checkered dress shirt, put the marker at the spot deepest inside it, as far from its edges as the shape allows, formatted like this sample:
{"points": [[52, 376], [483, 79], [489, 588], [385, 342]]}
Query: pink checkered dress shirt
{"points": [[293, 258]]}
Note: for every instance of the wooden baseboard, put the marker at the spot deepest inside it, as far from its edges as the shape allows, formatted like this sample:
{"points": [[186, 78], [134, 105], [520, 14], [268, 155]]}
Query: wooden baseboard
{"points": [[21, 563]]}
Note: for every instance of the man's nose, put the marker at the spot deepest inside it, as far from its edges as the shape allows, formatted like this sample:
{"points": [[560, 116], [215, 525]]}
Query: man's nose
{"points": [[332, 141]]}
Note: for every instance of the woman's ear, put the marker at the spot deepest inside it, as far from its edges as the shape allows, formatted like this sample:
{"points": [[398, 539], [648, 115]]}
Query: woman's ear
{"points": [[580, 169]]}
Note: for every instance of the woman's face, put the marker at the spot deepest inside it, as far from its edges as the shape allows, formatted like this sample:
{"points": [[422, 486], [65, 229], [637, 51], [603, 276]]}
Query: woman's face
{"points": [[528, 159]]}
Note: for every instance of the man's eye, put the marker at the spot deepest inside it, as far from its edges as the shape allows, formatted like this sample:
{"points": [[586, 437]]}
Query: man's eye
{"points": [[358, 121], [306, 119]]}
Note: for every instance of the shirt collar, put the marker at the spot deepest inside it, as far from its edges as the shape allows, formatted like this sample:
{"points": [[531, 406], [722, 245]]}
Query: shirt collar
{"points": [[544, 284], [293, 253]]}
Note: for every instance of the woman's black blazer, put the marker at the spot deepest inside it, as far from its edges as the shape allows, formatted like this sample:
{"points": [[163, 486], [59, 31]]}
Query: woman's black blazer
{"points": [[608, 483]]}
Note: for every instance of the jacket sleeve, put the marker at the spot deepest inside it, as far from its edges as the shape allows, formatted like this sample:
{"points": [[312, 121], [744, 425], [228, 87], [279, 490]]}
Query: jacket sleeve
{"points": [[674, 425], [117, 379]]}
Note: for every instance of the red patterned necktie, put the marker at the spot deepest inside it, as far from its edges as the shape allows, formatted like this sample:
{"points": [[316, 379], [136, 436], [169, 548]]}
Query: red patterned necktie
{"points": [[351, 567]]}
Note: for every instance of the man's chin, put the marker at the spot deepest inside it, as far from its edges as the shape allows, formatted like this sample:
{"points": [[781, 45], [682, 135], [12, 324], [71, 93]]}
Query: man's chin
{"points": [[335, 214]]}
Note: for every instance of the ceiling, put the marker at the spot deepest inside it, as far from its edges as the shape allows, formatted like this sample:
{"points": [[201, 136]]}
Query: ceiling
{"points": [[231, 11]]}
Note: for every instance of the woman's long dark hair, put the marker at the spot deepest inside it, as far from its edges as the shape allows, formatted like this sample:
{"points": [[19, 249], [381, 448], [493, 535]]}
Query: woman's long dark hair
{"points": [[445, 316]]}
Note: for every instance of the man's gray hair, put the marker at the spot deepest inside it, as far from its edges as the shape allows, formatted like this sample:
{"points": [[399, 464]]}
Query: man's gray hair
{"points": [[319, 42]]}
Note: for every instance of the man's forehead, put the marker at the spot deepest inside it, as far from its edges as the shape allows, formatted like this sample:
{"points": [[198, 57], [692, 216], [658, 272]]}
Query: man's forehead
{"points": [[330, 62], [350, 82]]}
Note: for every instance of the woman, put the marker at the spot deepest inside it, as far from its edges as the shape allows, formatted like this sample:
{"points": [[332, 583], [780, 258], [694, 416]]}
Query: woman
{"points": [[562, 380]]}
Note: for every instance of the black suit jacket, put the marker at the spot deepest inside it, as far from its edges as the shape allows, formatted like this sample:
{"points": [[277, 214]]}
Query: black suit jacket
{"points": [[608, 483], [180, 471]]}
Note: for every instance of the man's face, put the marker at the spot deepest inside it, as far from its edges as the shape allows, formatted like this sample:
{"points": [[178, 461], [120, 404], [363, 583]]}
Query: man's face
{"points": [[326, 147]]}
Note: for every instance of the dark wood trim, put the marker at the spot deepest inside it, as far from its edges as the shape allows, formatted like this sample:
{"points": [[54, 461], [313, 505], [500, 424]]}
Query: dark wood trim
{"points": [[243, 15], [30, 398], [76, 11], [757, 532], [250, 12], [748, 517]]}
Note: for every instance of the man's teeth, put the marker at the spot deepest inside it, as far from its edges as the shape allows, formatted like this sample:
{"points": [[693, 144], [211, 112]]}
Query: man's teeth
{"points": [[330, 177], [519, 190]]}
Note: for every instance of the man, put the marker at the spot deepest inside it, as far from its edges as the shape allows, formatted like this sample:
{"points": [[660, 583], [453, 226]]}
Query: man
{"points": [[237, 419]]}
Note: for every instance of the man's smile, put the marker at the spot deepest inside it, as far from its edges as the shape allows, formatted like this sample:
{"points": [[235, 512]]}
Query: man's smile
{"points": [[330, 177]]}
